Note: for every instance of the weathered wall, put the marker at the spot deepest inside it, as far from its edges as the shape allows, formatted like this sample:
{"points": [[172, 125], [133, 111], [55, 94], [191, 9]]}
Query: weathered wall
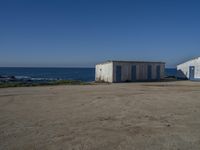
{"points": [[104, 72], [184, 68], [141, 70]]}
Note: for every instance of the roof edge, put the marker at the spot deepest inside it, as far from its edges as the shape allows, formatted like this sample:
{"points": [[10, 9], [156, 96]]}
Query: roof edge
{"points": [[125, 61], [188, 60]]}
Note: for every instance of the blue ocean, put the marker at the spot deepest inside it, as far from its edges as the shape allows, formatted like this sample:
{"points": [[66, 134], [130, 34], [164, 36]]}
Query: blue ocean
{"points": [[82, 74]]}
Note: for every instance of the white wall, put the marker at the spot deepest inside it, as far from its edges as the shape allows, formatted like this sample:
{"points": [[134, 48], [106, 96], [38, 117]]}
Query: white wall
{"points": [[141, 70], [107, 71], [184, 68], [104, 72]]}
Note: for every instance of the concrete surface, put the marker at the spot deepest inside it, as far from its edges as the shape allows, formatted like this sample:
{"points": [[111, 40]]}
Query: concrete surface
{"points": [[129, 116]]}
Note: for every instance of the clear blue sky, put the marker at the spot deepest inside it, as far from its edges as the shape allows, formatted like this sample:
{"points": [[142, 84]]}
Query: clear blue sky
{"points": [[80, 33]]}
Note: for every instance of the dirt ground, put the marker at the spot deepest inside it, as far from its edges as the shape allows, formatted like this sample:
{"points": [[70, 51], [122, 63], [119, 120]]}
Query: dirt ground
{"points": [[126, 116]]}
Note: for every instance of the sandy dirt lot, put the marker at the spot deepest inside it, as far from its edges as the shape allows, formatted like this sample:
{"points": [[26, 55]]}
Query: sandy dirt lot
{"points": [[127, 116]]}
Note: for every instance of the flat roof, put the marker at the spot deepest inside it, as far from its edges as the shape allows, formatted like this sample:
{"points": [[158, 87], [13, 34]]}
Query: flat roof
{"points": [[124, 61]]}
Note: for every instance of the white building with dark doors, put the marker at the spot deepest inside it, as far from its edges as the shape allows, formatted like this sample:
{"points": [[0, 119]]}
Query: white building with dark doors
{"points": [[127, 71], [189, 69]]}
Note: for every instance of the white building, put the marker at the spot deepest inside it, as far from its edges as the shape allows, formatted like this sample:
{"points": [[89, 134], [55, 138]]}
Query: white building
{"points": [[124, 71], [189, 69]]}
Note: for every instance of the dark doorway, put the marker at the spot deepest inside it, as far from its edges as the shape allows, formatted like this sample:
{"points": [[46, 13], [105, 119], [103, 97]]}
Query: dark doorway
{"points": [[118, 73], [158, 72], [133, 73], [192, 71], [149, 70]]}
